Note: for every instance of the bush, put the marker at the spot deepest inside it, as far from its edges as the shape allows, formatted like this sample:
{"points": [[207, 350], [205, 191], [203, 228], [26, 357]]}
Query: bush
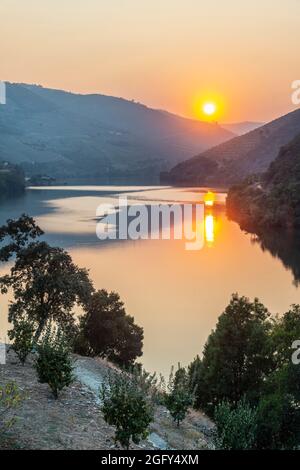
{"points": [[127, 406], [54, 364], [22, 336], [106, 330], [236, 427], [178, 397], [10, 398]]}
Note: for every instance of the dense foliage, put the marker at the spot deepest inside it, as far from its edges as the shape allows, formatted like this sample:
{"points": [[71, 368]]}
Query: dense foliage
{"points": [[236, 356], [236, 426], [107, 331], [273, 198], [247, 364]]}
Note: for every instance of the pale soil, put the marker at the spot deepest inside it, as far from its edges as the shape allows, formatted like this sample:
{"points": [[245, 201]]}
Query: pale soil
{"points": [[75, 421]]}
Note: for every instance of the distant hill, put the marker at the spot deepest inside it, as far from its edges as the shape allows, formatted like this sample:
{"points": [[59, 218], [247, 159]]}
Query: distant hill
{"points": [[241, 128], [58, 133], [273, 199], [232, 161]]}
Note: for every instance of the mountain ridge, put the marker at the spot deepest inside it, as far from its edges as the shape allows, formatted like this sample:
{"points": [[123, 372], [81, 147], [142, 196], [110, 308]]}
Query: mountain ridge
{"points": [[230, 162], [63, 133]]}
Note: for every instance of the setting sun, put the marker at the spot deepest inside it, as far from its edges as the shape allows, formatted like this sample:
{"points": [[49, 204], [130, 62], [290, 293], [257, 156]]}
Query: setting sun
{"points": [[209, 109]]}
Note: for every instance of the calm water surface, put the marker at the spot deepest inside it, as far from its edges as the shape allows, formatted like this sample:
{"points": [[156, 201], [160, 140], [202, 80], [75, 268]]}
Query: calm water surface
{"points": [[176, 295]]}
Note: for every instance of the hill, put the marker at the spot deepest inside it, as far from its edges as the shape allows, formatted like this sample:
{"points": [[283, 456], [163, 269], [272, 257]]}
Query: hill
{"points": [[59, 133], [75, 420], [273, 199], [232, 161], [241, 128]]}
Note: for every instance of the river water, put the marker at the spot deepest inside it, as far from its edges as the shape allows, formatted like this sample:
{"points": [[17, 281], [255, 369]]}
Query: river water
{"points": [[175, 294]]}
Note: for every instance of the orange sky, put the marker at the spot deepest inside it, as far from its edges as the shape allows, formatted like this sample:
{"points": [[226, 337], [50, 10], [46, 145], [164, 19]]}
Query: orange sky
{"points": [[169, 54]]}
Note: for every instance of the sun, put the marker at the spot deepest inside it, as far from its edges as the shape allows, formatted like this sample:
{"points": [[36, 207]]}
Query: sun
{"points": [[209, 109]]}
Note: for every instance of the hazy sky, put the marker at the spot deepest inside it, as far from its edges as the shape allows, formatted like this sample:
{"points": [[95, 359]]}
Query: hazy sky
{"points": [[169, 54]]}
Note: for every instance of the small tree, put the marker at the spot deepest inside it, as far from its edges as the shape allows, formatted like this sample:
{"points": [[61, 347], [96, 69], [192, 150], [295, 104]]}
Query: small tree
{"points": [[127, 406], [54, 364], [236, 427], [22, 337], [10, 398], [178, 397]]}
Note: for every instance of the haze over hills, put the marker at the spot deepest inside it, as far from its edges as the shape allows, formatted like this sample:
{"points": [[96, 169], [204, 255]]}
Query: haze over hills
{"points": [[71, 135], [240, 128], [232, 161]]}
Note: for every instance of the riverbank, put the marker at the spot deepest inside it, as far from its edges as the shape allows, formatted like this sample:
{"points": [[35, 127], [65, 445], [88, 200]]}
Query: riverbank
{"points": [[75, 420]]}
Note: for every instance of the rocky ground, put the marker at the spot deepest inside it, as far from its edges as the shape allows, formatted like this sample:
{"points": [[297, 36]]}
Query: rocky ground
{"points": [[75, 421]]}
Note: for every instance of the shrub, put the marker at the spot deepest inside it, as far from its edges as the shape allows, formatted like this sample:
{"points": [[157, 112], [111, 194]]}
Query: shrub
{"points": [[127, 406], [22, 336], [10, 398], [236, 427], [54, 364]]}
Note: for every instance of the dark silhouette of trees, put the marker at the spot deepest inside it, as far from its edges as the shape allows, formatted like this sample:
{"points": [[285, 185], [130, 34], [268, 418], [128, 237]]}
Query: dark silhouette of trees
{"points": [[107, 331], [236, 356]]}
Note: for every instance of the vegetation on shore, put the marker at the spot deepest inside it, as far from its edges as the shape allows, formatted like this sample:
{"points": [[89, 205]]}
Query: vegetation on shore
{"points": [[271, 199], [12, 181], [247, 370]]}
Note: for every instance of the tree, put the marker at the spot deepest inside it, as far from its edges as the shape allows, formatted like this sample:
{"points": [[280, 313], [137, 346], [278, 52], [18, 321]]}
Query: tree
{"points": [[127, 406], [54, 363], [22, 337], [194, 380], [285, 331], [279, 406], [237, 355], [236, 427], [46, 285], [178, 397], [107, 331], [278, 411]]}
